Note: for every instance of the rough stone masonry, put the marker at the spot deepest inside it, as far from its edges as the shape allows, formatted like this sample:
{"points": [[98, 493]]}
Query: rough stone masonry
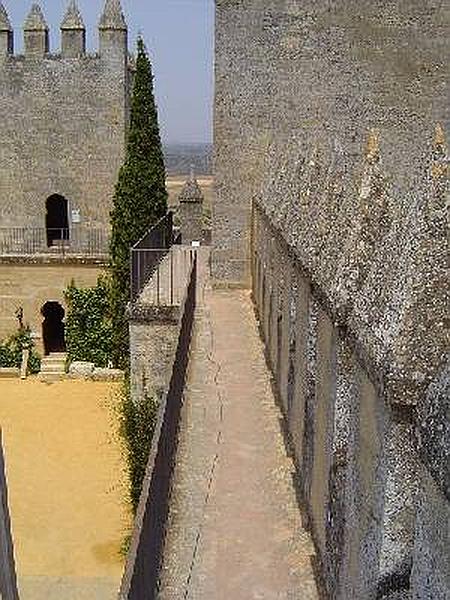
{"points": [[332, 119], [63, 121], [63, 117]]}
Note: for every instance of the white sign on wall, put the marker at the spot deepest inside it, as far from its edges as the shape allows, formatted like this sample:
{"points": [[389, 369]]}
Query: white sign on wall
{"points": [[76, 216]]}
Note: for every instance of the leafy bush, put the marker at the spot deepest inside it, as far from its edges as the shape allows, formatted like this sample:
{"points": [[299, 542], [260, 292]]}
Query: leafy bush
{"points": [[137, 426], [11, 351], [88, 328]]}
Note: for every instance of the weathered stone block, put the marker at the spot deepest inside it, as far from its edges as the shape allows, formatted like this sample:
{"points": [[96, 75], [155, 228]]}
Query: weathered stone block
{"points": [[9, 372], [81, 369], [99, 374]]}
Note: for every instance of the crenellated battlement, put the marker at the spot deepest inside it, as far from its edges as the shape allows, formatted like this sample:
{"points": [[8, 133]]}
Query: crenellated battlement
{"points": [[64, 116], [112, 28], [6, 33]]}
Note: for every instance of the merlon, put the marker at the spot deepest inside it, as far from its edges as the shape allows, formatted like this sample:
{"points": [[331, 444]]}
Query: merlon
{"points": [[72, 19], [35, 20], [5, 24], [112, 17]]}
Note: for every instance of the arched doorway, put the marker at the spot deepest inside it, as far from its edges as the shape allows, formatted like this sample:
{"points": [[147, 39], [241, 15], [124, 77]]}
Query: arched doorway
{"points": [[56, 219], [53, 328]]}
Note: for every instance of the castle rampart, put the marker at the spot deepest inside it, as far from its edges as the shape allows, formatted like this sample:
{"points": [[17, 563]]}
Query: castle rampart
{"points": [[331, 119]]}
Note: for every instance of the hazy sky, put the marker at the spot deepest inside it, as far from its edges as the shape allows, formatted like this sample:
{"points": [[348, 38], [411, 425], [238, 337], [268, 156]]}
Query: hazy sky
{"points": [[179, 36]]}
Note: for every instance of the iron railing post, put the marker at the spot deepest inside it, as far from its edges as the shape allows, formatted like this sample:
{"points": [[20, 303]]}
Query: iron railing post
{"points": [[152, 247], [171, 278]]}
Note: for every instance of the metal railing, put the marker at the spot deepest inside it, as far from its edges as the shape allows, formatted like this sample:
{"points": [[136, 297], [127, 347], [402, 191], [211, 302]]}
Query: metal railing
{"points": [[168, 279], [32, 241], [140, 580], [148, 253]]}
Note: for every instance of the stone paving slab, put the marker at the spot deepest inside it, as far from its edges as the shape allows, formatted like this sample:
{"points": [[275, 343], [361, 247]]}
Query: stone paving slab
{"points": [[235, 530]]}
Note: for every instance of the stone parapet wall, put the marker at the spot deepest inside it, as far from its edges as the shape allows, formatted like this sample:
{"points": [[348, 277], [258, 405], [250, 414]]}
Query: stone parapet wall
{"points": [[367, 485], [152, 349], [154, 322]]}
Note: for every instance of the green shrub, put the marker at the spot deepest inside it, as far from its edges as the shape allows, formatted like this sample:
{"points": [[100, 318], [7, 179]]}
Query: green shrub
{"points": [[6, 356], [88, 328], [11, 351], [140, 197], [137, 426]]}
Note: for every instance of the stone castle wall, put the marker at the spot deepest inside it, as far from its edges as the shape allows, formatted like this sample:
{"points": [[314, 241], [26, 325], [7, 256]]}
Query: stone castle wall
{"points": [[325, 73], [31, 284], [62, 131], [371, 447], [63, 122], [333, 118]]}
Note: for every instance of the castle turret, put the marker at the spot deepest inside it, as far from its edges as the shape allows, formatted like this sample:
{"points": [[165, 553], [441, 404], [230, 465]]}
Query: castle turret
{"points": [[36, 39], [73, 32], [113, 30], [191, 211], [6, 33]]}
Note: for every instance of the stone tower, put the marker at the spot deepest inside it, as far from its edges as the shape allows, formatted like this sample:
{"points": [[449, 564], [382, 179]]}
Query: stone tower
{"points": [[306, 68], [63, 123], [191, 211], [64, 118]]}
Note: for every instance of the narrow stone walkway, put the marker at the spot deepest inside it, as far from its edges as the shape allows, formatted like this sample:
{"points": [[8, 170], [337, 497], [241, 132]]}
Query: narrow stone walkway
{"points": [[235, 530]]}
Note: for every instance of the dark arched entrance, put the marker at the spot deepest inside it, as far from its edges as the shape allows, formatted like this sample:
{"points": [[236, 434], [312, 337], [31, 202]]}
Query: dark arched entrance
{"points": [[53, 327], [56, 219]]}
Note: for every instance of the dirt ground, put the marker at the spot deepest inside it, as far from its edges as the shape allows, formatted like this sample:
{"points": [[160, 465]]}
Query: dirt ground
{"points": [[67, 482]]}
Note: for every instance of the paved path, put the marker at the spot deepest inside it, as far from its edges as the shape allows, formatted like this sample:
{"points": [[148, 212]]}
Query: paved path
{"points": [[235, 530]]}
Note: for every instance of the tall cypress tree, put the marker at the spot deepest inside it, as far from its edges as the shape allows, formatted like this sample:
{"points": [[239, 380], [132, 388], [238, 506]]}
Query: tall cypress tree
{"points": [[140, 197]]}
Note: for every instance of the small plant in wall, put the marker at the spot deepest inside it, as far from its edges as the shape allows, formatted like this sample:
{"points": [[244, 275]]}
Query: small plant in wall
{"points": [[137, 425]]}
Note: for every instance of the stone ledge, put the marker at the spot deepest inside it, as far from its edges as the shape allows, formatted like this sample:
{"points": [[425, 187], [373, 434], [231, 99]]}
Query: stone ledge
{"points": [[89, 372], [107, 375], [144, 313], [218, 284], [37, 260], [9, 373]]}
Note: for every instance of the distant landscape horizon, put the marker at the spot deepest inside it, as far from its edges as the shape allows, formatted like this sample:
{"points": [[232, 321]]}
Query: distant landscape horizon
{"points": [[181, 157]]}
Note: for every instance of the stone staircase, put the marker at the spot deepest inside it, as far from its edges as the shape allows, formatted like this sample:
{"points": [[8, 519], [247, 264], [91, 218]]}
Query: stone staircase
{"points": [[53, 367]]}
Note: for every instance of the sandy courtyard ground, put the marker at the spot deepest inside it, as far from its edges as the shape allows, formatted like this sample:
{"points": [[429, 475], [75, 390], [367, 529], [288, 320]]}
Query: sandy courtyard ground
{"points": [[67, 487]]}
